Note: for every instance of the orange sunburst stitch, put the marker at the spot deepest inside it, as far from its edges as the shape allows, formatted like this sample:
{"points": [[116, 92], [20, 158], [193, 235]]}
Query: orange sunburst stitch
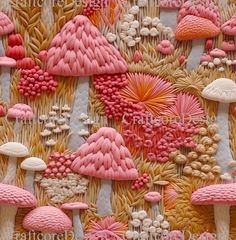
{"points": [[152, 92]]}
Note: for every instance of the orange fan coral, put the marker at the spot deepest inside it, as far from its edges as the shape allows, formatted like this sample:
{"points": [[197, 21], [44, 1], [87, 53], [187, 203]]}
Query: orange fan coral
{"points": [[152, 92], [186, 106], [106, 229]]}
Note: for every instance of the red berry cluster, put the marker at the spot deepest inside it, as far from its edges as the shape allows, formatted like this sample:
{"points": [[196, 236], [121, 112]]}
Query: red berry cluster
{"points": [[35, 81], [108, 88], [59, 165], [140, 182], [94, 5]]}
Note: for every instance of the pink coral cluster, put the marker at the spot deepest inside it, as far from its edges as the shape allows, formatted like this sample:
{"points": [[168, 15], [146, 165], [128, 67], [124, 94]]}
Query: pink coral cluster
{"points": [[59, 165], [34, 82], [140, 182], [93, 6], [108, 87]]}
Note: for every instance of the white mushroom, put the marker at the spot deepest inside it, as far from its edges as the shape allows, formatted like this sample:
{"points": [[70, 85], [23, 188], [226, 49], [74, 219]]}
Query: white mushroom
{"points": [[147, 21], [88, 122], [65, 127], [134, 10], [142, 3], [43, 118], [165, 224], [131, 32], [147, 222], [52, 113], [32, 165], [128, 17], [57, 130], [45, 133], [66, 108], [135, 222], [137, 39], [55, 108], [160, 218], [154, 32], [13, 150], [129, 234], [124, 26], [135, 235], [142, 214], [83, 133], [134, 215], [152, 230], [144, 32], [134, 24], [156, 223], [221, 69], [111, 37], [61, 121], [223, 91], [211, 65], [51, 143], [229, 62], [216, 61], [50, 125], [155, 21], [131, 43], [66, 115]]}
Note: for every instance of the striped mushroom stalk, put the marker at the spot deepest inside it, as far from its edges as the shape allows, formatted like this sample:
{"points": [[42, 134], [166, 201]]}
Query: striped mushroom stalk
{"points": [[48, 220], [12, 198], [197, 20], [32, 165], [87, 53], [223, 91], [221, 196], [47, 14], [76, 207], [105, 156], [13, 150]]}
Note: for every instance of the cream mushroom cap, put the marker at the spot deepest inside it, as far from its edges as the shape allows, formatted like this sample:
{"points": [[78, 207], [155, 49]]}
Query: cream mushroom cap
{"points": [[33, 164], [14, 149], [221, 90]]}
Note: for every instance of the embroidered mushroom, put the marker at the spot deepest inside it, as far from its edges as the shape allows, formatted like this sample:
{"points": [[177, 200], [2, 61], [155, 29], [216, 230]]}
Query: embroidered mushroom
{"points": [[105, 156], [12, 198], [6, 27], [48, 220], [13, 150], [169, 12], [6, 64], [228, 46], [206, 236], [221, 196], [222, 90], [229, 27], [75, 208], [32, 165], [87, 53], [21, 113], [153, 198], [166, 47], [197, 20]]}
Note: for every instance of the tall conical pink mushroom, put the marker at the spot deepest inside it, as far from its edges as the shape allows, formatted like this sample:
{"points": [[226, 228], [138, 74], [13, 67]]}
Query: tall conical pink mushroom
{"points": [[229, 27], [105, 156], [12, 198], [80, 50], [197, 20]]}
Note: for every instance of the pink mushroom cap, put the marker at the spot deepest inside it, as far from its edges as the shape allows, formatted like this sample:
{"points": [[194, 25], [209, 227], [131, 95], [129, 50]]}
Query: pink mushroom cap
{"points": [[6, 25], [218, 53], [152, 197], [173, 4], [21, 111], [47, 219], [215, 194], [79, 49], [206, 236], [105, 156], [228, 45], [74, 206], [7, 62], [12, 195], [229, 27], [165, 47], [205, 58]]}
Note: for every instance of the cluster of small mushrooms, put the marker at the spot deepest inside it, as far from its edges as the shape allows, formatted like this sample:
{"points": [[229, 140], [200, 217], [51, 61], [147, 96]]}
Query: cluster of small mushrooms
{"points": [[56, 122], [201, 161]]}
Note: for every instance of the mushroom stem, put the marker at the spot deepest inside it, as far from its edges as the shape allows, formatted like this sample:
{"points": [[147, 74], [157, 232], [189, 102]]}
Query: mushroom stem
{"points": [[29, 181], [155, 209], [222, 221], [5, 79], [18, 126], [7, 221], [169, 17], [193, 61], [47, 14], [11, 171], [80, 106], [5, 6], [223, 155], [104, 199], [223, 3], [78, 227], [2, 50]]}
